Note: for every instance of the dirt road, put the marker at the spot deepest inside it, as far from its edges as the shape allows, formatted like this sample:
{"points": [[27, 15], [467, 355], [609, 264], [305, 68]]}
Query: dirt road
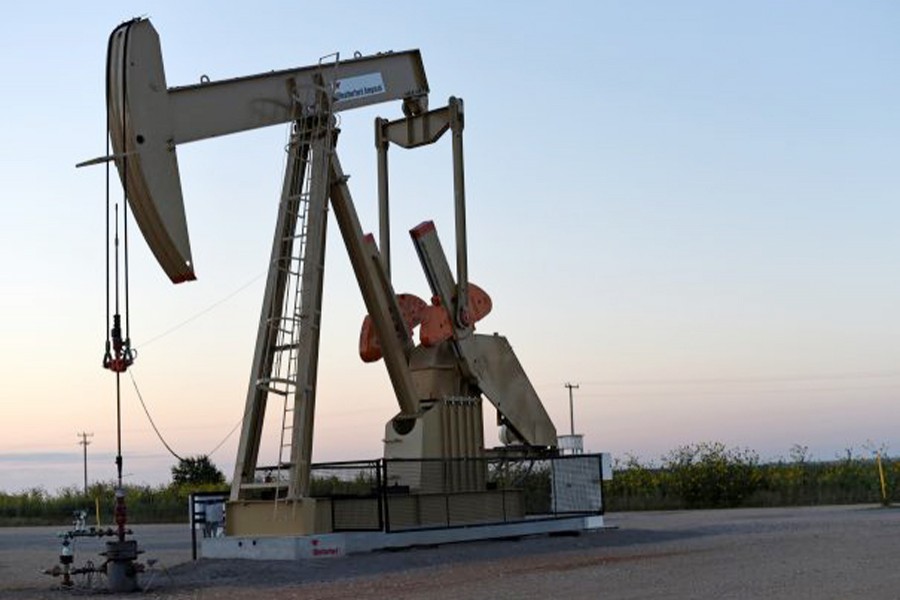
{"points": [[825, 552]]}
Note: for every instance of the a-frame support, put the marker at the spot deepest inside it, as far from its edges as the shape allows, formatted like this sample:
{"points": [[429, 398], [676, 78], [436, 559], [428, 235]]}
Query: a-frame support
{"points": [[286, 356]]}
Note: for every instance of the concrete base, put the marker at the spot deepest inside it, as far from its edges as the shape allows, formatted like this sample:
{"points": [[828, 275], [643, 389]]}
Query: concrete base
{"points": [[333, 545]]}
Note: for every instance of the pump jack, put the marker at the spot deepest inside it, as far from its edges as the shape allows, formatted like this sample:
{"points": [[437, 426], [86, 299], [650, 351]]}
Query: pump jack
{"points": [[439, 382]]}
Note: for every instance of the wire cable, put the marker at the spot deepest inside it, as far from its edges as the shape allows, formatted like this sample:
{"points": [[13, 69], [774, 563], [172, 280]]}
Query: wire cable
{"points": [[230, 433], [206, 310], [159, 434], [149, 418], [124, 75], [106, 136]]}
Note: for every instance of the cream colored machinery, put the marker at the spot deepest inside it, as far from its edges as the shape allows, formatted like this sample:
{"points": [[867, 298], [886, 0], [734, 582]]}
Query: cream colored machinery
{"points": [[438, 382]]}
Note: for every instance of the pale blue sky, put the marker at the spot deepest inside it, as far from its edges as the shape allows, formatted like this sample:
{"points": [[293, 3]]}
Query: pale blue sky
{"points": [[688, 207]]}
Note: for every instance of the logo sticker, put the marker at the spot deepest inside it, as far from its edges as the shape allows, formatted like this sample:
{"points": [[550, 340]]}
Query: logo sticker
{"points": [[361, 86]]}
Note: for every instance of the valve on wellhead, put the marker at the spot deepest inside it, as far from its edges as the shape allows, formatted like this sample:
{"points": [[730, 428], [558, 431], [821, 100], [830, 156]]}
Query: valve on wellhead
{"points": [[66, 558]]}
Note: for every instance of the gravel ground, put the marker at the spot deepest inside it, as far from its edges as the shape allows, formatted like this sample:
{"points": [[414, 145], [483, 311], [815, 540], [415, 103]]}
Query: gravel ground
{"points": [[823, 552]]}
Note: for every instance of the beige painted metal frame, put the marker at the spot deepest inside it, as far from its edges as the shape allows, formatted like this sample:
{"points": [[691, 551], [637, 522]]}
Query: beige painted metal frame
{"points": [[487, 362], [147, 120], [415, 131]]}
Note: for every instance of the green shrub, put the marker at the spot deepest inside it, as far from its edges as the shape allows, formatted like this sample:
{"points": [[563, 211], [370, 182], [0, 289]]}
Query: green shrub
{"points": [[145, 504], [709, 475]]}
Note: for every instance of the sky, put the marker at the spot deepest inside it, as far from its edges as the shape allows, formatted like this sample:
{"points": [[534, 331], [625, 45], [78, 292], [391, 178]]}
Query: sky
{"points": [[686, 208]]}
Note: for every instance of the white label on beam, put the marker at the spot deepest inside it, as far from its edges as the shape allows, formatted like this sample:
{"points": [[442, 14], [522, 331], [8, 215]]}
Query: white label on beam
{"points": [[361, 86]]}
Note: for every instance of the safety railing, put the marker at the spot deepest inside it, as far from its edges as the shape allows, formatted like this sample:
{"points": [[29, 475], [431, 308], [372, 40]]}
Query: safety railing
{"points": [[403, 494]]}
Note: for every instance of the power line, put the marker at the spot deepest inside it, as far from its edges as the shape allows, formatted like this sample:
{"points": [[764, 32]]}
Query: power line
{"points": [[203, 312], [762, 379], [225, 439], [707, 392]]}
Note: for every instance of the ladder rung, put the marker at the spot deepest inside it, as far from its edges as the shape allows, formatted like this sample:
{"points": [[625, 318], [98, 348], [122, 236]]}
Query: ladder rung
{"points": [[266, 380], [289, 271], [272, 391], [289, 319], [264, 384]]}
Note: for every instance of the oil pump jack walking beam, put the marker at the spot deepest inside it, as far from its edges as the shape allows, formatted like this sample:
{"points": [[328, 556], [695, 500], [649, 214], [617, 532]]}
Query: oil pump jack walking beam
{"points": [[158, 118]]}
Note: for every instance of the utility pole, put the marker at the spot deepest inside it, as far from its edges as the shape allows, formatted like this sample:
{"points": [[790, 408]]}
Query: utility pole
{"points": [[571, 409], [84, 442]]}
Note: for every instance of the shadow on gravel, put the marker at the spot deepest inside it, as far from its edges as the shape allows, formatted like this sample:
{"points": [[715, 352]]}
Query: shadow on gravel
{"points": [[246, 573]]}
